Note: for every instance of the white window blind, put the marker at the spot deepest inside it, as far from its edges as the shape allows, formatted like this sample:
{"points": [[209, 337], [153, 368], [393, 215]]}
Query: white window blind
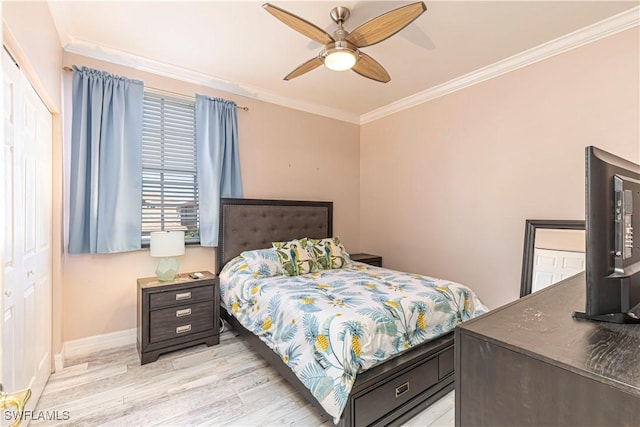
{"points": [[169, 184]]}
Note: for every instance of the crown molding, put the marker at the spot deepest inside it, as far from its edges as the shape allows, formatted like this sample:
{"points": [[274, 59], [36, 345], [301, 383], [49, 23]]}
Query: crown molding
{"points": [[605, 28], [115, 56]]}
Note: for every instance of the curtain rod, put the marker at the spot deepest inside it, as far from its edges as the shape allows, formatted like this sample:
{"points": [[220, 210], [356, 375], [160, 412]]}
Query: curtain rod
{"points": [[167, 91]]}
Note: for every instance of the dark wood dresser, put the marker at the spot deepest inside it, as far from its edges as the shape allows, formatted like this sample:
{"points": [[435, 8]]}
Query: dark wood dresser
{"points": [[178, 314], [530, 363]]}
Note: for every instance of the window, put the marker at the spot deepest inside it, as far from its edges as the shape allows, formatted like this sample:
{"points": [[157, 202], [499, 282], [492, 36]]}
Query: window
{"points": [[169, 183]]}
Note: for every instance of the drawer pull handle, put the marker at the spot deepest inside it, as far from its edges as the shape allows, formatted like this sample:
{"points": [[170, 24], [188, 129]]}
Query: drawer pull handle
{"points": [[402, 389], [183, 295], [183, 312], [182, 329]]}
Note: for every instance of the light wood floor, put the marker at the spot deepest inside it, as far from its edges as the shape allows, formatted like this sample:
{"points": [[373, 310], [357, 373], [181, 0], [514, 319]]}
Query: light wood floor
{"points": [[226, 384]]}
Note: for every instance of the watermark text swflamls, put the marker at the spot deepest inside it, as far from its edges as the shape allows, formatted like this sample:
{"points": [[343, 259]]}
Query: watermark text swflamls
{"points": [[38, 415]]}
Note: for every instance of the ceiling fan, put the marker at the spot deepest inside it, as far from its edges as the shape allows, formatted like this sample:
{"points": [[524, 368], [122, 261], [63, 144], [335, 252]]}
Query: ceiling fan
{"points": [[342, 50]]}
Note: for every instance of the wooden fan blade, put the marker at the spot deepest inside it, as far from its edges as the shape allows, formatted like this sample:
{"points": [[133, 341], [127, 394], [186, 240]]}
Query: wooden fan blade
{"points": [[300, 25], [311, 64], [385, 25], [371, 69]]}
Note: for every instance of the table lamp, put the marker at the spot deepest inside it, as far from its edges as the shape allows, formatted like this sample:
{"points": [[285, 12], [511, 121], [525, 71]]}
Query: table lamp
{"points": [[167, 244]]}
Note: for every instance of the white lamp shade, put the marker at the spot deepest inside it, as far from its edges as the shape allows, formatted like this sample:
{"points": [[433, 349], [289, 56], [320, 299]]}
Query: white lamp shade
{"points": [[167, 243]]}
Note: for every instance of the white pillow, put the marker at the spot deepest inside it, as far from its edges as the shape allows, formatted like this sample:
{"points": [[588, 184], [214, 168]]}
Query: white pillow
{"points": [[263, 262]]}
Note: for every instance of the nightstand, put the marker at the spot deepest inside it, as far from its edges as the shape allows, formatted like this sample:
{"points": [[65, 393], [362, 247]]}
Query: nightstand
{"points": [[374, 260], [178, 314]]}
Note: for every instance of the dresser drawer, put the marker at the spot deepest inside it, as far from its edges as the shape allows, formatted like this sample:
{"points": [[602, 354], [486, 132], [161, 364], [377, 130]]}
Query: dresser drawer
{"points": [[377, 402], [184, 296], [180, 320]]}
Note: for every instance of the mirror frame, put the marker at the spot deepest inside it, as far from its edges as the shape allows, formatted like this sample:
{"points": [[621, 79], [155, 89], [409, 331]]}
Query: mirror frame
{"points": [[531, 226]]}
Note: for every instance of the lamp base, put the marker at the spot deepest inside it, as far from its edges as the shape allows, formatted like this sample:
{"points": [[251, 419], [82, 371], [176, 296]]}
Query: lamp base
{"points": [[167, 270]]}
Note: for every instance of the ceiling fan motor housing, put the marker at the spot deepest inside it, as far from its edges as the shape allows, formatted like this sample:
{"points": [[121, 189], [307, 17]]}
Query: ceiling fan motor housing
{"points": [[339, 14]]}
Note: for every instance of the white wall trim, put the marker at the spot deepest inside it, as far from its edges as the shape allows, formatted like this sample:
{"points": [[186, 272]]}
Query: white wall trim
{"points": [[589, 34], [127, 59], [58, 361], [88, 345]]}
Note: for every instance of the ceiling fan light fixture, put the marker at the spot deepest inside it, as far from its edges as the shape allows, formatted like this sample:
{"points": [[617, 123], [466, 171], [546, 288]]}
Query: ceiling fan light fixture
{"points": [[340, 60], [339, 56]]}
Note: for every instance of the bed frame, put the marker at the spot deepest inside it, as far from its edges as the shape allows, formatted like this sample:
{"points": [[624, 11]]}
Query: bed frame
{"points": [[387, 394]]}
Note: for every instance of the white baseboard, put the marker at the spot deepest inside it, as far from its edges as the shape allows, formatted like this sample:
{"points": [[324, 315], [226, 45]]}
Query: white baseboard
{"points": [[58, 361], [88, 345]]}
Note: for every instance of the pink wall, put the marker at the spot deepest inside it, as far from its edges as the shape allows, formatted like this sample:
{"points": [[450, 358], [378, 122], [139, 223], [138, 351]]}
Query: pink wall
{"points": [[454, 179], [284, 153], [31, 25]]}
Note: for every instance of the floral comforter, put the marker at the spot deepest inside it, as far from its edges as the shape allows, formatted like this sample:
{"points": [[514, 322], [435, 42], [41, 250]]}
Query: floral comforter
{"points": [[328, 326]]}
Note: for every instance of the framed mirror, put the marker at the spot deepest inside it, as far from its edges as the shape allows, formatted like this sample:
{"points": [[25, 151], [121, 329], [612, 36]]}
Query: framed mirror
{"points": [[553, 251]]}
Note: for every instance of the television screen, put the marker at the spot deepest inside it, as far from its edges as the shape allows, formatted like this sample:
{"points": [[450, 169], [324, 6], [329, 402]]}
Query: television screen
{"points": [[612, 253]]}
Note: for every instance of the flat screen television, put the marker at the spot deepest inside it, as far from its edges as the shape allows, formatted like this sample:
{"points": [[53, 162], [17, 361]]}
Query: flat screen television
{"points": [[612, 238]]}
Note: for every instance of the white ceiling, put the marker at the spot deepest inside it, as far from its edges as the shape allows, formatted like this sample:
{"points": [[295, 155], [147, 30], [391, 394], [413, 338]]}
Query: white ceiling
{"points": [[239, 47]]}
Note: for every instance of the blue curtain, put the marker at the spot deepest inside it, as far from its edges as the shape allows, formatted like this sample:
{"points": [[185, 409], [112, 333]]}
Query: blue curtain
{"points": [[218, 163], [106, 158]]}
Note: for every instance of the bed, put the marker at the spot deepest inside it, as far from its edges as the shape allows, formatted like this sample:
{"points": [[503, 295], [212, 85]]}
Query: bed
{"points": [[389, 392]]}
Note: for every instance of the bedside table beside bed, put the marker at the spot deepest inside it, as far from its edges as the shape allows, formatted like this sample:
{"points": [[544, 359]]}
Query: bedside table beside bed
{"points": [[374, 260], [177, 314]]}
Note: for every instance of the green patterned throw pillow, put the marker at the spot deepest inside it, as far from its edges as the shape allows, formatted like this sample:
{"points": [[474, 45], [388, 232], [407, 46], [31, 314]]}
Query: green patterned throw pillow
{"points": [[329, 253], [294, 257]]}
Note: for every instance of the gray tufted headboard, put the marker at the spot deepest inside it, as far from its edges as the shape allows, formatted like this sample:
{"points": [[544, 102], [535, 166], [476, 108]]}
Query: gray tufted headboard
{"points": [[247, 224]]}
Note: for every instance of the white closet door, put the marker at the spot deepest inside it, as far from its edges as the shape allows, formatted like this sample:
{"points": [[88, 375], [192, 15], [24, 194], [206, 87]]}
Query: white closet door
{"points": [[26, 343], [13, 343]]}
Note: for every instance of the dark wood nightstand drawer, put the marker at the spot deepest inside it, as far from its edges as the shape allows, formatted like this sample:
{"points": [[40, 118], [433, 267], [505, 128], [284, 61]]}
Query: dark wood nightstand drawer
{"points": [[180, 321], [182, 296]]}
